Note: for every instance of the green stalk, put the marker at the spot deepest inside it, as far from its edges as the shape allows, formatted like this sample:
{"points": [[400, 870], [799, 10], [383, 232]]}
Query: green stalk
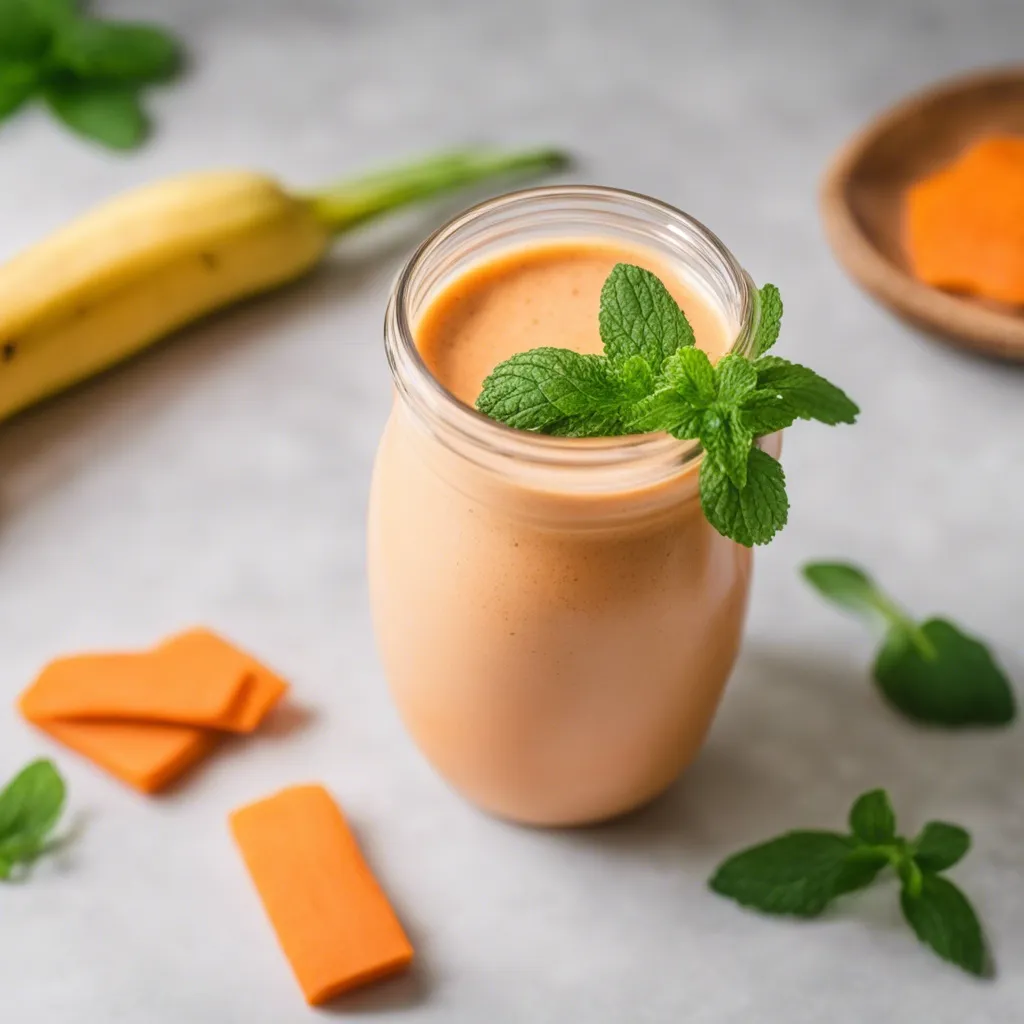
{"points": [[345, 205]]}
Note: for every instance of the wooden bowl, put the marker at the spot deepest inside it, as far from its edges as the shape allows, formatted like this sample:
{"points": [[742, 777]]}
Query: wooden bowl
{"points": [[862, 203]]}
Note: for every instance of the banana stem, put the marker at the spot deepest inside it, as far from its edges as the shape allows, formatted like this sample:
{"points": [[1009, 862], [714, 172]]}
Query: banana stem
{"points": [[345, 205]]}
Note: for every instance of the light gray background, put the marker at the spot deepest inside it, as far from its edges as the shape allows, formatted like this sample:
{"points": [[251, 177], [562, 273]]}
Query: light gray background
{"points": [[223, 478]]}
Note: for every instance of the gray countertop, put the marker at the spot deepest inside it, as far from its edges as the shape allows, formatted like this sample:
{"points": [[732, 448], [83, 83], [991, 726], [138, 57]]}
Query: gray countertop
{"points": [[222, 479]]}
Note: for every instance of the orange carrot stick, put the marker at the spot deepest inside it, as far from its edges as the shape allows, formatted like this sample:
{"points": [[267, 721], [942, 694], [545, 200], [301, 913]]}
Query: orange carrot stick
{"points": [[196, 678], [140, 687], [332, 919], [205, 653], [147, 756]]}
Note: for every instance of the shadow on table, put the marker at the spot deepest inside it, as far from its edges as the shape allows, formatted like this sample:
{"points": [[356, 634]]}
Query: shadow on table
{"points": [[399, 993], [799, 736]]}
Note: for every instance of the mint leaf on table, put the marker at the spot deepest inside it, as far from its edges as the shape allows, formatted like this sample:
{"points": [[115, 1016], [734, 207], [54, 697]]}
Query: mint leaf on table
{"points": [[851, 588], [24, 33], [801, 873], [109, 114], [30, 807], [872, 819], [117, 51], [90, 72], [798, 873], [943, 918], [638, 317], [932, 672], [957, 684], [940, 846], [18, 83]]}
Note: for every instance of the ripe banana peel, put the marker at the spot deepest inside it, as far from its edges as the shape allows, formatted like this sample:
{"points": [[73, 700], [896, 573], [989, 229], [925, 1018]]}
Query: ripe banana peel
{"points": [[138, 267]]}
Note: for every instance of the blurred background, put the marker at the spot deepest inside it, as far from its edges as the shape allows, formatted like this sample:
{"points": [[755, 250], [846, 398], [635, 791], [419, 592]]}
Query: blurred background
{"points": [[223, 476]]}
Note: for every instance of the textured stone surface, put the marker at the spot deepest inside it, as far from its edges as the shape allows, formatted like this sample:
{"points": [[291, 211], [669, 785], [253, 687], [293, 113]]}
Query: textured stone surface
{"points": [[223, 478]]}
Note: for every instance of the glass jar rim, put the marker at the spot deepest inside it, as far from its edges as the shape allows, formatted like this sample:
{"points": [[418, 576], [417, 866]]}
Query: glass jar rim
{"points": [[646, 458]]}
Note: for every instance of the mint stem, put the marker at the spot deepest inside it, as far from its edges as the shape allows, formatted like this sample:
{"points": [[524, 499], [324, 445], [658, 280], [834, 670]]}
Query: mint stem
{"points": [[898, 617], [345, 205]]}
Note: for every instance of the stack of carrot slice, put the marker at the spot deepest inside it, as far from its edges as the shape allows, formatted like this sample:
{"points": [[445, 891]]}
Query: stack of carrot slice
{"points": [[148, 717]]}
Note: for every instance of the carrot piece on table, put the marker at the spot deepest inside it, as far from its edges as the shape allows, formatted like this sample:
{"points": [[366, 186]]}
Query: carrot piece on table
{"points": [[965, 223], [147, 755], [142, 687], [203, 653], [332, 919]]}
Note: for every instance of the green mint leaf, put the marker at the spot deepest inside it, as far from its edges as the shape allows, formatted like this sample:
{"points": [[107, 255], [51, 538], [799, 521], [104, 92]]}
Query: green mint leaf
{"points": [[940, 846], [669, 412], [765, 412], [851, 588], [21, 849], [18, 82], [638, 317], [637, 378], [769, 319], [932, 672], [943, 918], [108, 114], [861, 870], [5, 869], [798, 873], [735, 378], [953, 681], [54, 12], [690, 373], [24, 35], [872, 819], [807, 394], [752, 514], [31, 804], [557, 391], [727, 442], [110, 51]]}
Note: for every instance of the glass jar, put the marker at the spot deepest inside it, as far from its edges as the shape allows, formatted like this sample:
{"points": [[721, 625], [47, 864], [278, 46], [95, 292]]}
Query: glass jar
{"points": [[556, 617]]}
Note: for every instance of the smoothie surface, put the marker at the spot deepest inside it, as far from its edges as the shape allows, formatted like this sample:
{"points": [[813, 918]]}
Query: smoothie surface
{"points": [[544, 295]]}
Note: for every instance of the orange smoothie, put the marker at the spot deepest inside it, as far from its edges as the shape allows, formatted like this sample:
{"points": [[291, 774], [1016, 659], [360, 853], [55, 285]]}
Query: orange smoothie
{"points": [[556, 637], [546, 295]]}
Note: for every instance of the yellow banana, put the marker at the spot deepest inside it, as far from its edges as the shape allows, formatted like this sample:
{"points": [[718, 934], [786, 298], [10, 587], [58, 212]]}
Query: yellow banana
{"points": [[132, 270]]}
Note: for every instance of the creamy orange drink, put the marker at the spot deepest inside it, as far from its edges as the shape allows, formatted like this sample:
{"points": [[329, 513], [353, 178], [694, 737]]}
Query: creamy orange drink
{"points": [[556, 617]]}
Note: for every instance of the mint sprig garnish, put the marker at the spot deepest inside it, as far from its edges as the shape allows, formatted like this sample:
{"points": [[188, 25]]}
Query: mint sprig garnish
{"points": [[802, 873], [90, 72], [653, 379], [931, 671], [30, 808]]}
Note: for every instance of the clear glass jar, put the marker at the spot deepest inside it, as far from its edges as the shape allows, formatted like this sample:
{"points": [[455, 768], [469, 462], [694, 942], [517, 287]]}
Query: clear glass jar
{"points": [[556, 618]]}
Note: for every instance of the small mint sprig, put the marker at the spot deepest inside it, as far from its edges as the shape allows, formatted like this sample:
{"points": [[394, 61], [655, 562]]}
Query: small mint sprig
{"points": [[90, 72], [930, 671], [801, 873], [652, 379], [30, 807]]}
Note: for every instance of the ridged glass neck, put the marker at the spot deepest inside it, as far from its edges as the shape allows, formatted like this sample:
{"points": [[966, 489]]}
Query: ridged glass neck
{"points": [[571, 212]]}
